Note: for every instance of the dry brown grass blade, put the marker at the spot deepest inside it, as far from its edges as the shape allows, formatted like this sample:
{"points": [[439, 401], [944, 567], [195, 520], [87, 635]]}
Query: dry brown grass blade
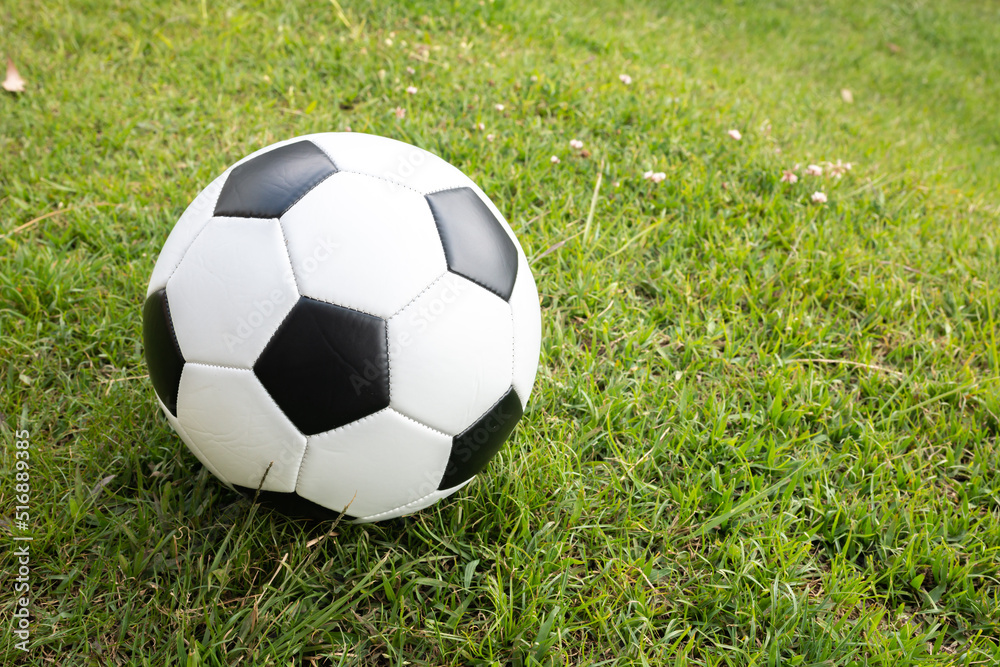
{"points": [[35, 221], [845, 362]]}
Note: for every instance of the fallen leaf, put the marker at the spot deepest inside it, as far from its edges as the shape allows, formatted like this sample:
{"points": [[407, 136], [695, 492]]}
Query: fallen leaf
{"points": [[13, 83], [101, 484], [313, 542], [847, 95]]}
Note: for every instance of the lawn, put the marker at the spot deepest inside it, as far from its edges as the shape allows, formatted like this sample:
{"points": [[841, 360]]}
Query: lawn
{"points": [[765, 429]]}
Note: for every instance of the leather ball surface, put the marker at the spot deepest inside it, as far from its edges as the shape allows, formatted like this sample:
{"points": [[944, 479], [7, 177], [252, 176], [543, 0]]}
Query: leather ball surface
{"points": [[351, 315]]}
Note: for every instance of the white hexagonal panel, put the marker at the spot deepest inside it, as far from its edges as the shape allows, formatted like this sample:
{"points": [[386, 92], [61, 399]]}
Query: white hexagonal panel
{"points": [[188, 226], [238, 428], [191, 444], [364, 243], [377, 464], [391, 160], [231, 291], [450, 354], [411, 507], [527, 316], [191, 222]]}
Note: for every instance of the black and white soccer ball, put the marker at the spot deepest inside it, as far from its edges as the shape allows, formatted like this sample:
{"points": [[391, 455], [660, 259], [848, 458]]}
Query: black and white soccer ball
{"points": [[350, 315]]}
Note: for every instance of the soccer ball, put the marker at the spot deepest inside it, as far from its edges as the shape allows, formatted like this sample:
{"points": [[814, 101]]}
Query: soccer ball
{"points": [[346, 322]]}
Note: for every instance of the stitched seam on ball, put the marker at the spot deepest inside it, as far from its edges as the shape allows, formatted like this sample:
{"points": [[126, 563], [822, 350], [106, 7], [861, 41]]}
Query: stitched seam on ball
{"points": [[375, 517], [383, 178], [326, 153], [356, 422], [419, 423], [437, 228], [395, 509], [419, 294], [491, 290], [288, 254], [215, 202], [305, 448], [340, 305], [302, 462], [388, 360], [210, 365], [453, 187], [437, 232], [513, 345], [262, 151], [170, 323], [274, 332], [298, 293], [177, 343], [489, 409], [282, 413], [310, 188]]}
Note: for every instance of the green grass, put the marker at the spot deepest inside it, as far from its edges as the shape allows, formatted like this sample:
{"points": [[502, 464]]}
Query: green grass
{"points": [[764, 431]]}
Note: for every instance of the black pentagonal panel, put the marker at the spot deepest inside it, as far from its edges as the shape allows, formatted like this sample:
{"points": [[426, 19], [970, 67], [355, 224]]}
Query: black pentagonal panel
{"points": [[475, 243], [267, 185], [473, 448], [163, 354], [326, 366], [292, 504]]}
